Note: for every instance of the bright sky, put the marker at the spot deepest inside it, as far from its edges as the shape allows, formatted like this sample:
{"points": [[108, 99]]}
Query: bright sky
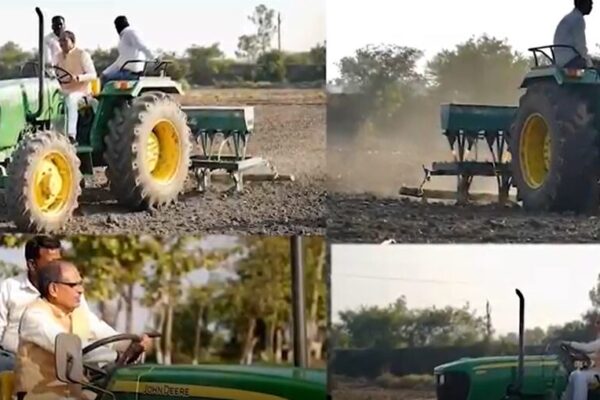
{"points": [[169, 25], [440, 24], [555, 279]]}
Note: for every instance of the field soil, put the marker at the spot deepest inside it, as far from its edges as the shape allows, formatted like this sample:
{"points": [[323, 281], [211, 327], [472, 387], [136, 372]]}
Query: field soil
{"points": [[289, 132], [364, 206], [361, 389]]}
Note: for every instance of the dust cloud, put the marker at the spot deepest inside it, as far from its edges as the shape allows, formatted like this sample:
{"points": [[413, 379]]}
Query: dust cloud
{"points": [[380, 162]]}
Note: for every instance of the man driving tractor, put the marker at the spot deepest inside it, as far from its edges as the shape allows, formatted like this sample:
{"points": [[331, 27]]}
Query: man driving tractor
{"points": [[579, 380], [78, 63], [571, 32], [57, 311]]}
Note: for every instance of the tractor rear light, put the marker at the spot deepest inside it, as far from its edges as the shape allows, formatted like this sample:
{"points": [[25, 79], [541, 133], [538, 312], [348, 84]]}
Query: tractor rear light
{"points": [[574, 72], [122, 85]]}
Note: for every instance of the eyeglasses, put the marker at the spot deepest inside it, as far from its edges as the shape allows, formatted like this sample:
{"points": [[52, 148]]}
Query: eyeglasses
{"points": [[70, 284]]}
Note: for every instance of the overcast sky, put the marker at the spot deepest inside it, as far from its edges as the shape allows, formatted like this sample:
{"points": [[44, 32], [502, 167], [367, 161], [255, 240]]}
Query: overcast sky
{"points": [[438, 24], [172, 25], [555, 279]]}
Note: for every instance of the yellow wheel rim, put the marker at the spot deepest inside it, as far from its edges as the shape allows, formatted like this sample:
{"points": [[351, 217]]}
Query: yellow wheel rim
{"points": [[52, 182], [535, 151], [163, 151]]}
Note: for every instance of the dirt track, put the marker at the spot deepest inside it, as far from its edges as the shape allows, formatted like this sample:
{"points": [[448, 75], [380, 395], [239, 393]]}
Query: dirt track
{"points": [[290, 132], [364, 205], [357, 389]]}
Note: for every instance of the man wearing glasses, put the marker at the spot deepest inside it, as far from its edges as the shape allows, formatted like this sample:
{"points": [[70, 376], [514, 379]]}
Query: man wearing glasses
{"points": [[57, 311], [18, 292]]}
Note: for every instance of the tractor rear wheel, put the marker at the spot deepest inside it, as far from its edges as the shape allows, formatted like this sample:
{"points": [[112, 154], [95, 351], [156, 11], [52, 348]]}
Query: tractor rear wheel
{"points": [[554, 149], [148, 151], [43, 182]]}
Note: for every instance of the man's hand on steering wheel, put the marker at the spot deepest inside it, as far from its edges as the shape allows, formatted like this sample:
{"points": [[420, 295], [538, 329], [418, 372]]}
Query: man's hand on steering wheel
{"points": [[63, 76]]}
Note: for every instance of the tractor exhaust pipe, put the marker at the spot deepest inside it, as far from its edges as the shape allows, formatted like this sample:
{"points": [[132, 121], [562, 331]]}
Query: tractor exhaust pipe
{"points": [[300, 354], [41, 64], [521, 366]]}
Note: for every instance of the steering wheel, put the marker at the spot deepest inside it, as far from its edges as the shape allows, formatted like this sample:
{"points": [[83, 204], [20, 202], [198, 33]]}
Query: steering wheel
{"points": [[63, 76], [129, 356], [575, 355]]}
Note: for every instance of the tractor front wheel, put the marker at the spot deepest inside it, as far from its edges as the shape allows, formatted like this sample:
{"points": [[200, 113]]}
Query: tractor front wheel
{"points": [[43, 182], [148, 151], [553, 144]]}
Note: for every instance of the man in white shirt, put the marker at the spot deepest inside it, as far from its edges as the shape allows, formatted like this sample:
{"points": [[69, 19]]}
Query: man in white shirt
{"points": [[571, 31], [79, 63], [18, 292], [130, 47], [579, 380], [58, 310], [51, 41]]}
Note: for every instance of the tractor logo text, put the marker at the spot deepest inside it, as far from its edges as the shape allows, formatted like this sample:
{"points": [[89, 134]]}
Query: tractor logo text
{"points": [[167, 390]]}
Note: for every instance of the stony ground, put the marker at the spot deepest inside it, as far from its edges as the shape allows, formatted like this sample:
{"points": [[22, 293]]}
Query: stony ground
{"points": [[360, 389], [290, 132], [364, 205]]}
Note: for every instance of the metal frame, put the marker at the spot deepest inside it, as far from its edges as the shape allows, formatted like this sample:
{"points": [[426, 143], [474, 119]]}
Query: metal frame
{"points": [[462, 141], [235, 163]]}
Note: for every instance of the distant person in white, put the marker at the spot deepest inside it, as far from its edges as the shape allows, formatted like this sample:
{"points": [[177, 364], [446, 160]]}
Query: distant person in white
{"points": [[571, 32], [579, 380], [51, 42], [130, 47], [18, 292]]}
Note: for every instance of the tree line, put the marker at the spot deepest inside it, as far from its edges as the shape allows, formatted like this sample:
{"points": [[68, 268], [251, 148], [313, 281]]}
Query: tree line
{"points": [[390, 88], [242, 313], [255, 61], [396, 326]]}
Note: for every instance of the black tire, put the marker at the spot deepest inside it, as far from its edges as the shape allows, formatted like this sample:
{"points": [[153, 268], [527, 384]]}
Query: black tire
{"points": [[22, 206], [571, 181], [130, 177]]}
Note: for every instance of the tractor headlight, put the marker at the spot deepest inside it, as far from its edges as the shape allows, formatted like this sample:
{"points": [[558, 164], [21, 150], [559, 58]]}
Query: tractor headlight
{"points": [[122, 85], [574, 72]]}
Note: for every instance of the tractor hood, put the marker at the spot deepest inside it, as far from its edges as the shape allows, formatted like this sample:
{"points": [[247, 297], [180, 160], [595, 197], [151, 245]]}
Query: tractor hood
{"points": [[490, 377], [218, 382], [487, 363]]}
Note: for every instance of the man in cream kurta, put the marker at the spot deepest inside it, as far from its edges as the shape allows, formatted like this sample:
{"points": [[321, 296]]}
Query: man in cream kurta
{"points": [[79, 63], [57, 311]]}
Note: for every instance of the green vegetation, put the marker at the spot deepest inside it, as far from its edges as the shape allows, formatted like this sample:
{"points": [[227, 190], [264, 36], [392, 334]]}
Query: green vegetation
{"points": [[206, 64], [240, 313]]}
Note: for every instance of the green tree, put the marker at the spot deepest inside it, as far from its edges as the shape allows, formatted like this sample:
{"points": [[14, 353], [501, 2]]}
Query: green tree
{"points": [[483, 70], [202, 65], [271, 66], [254, 45], [318, 54], [163, 283], [386, 74], [12, 58], [112, 267], [248, 48]]}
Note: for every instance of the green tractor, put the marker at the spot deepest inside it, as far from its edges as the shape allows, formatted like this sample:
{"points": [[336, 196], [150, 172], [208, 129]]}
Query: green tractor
{"points": [[135, 128], [542, 377], [128, 378], [547, 146]]}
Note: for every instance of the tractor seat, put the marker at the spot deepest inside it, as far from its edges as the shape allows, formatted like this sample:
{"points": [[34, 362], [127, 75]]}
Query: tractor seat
{"points": [[7, 384]]}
